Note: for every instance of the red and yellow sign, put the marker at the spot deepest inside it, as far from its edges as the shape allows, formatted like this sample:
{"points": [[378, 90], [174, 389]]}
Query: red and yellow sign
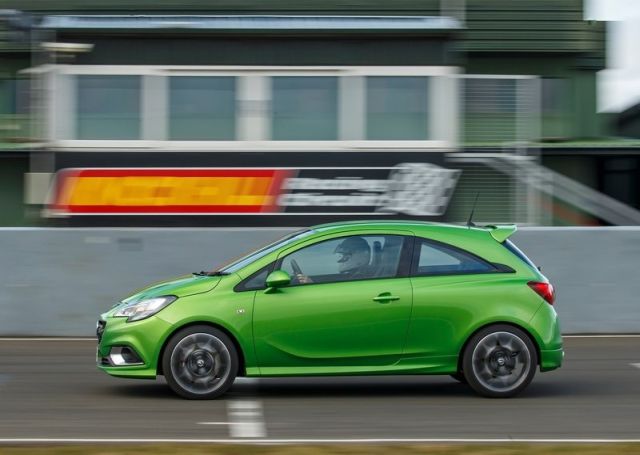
{"points": [[166, 190]]}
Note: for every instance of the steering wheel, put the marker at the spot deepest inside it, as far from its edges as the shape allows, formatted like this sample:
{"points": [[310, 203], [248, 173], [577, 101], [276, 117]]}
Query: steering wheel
{"points": [[296, 268]]}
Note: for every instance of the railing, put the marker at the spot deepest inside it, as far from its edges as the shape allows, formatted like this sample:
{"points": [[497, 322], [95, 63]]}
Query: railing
{"points": [[15, 130], [572, 192], [517, 188]]}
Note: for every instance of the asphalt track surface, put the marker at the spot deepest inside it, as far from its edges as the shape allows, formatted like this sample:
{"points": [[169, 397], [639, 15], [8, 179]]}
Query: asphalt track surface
{"points": [[52, 389]]}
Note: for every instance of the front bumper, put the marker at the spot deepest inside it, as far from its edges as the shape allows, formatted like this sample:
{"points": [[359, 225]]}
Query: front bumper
{"points": [[144, 338]]}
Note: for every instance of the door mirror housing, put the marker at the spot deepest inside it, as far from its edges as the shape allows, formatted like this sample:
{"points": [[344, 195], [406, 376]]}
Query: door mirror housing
{"points": [[278, 279]]}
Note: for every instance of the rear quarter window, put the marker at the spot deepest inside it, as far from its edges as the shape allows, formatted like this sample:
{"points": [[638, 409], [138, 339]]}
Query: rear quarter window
{"points": [[509, 245], [439, 259]]}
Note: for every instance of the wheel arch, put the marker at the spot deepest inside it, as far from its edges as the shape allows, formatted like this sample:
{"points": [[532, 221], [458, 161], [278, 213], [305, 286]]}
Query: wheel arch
{"points": [[489, 324], [232, 337]]}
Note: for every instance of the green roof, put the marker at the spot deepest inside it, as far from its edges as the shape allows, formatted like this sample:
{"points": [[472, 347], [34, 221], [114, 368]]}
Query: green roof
{"points": [[556, 26], [247, 22]]}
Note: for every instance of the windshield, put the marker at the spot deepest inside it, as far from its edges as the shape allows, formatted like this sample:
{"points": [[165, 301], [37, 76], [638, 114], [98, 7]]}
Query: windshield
{"points": [[257, 254]]}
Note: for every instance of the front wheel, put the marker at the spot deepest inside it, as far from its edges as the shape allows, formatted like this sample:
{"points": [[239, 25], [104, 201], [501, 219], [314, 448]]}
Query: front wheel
{"points": [[200, 362], [499, 361]]}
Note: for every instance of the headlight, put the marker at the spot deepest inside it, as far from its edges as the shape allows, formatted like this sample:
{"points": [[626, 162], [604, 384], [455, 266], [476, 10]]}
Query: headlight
{"points": [[144, 308]]}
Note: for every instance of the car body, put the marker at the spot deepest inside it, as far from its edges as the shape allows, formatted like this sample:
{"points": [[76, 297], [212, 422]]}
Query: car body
{"points": [[428, 299]]}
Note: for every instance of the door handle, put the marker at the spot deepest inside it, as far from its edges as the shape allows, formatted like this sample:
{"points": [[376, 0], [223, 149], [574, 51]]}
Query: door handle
{"points": [[385, 297]]}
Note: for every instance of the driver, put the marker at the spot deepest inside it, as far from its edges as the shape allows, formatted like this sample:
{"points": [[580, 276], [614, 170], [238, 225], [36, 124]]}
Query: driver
{"points": [[354, 254]]}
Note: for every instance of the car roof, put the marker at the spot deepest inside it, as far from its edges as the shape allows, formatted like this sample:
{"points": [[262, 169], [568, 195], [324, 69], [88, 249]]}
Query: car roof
{"points": [[417, 226]]}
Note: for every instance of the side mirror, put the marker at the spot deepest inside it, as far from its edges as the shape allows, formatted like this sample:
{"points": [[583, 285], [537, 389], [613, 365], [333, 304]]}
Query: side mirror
{"points": [[278, 279]]}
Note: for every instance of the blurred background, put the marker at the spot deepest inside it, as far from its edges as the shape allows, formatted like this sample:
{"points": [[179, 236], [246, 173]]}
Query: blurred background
{"points": [[347, 108], [254, 117], [141, 140]]}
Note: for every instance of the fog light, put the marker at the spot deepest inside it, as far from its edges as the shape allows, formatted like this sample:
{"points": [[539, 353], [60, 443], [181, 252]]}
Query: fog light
{"points": [[123, 356]]}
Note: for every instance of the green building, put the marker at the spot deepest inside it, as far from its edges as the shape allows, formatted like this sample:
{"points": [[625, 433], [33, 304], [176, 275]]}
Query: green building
{"points": [[113, 78]]}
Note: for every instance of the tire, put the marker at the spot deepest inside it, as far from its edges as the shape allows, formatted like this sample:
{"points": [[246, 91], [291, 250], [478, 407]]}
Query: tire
{"points": [[500, 361], [459, 376], [200, 363]]}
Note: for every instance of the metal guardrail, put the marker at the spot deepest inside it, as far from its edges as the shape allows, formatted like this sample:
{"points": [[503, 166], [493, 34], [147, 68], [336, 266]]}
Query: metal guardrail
{"points": [[57, 281]]}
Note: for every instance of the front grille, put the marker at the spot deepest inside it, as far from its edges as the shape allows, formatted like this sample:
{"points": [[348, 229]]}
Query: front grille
{"points": [[100, 329]]}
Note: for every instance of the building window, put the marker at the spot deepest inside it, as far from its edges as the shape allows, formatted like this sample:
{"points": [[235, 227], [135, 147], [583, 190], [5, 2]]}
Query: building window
{"points": [[108, 107], [7, 93], [554, 91], [397, 108], [338, 107], [14, 96], [491, 96], [202, 108], [304, 108], [620, 179], [22, 99]]}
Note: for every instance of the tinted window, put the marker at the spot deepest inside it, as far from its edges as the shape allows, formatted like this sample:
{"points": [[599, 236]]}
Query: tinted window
{"points": [[202, 108], [440, 259], [108, 107], [515, 250], [256, 281], [304, 108], [397, 108], [345, 259]]}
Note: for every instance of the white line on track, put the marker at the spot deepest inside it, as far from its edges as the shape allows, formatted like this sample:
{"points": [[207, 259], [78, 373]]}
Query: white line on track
{"points": [[48, 339], [603, 336], [316, 441], [637, 365], [245, 417]]}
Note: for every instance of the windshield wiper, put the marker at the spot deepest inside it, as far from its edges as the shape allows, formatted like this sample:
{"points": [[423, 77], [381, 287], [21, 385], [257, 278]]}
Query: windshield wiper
{"points": [[217, 273]]}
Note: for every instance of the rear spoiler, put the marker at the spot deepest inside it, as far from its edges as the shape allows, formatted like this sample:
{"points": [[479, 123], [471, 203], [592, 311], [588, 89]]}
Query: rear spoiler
{"points": [[501, 232]]}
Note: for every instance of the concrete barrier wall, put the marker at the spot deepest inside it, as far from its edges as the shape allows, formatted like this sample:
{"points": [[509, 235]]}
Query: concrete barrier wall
{"points": [[57, 281]]}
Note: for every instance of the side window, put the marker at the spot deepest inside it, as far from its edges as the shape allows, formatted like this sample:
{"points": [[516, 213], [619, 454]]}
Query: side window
{"points": [[256, 281], [350, 258], [439, 259]]}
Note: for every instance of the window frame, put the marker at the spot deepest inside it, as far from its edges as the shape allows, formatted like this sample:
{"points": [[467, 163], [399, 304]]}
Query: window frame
{"points": [[252, 94], [404, 263], [242, 285], [415, 260]]}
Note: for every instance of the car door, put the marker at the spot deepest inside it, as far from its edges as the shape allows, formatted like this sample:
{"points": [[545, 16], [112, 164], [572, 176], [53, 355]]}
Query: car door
{"points": [[336, 320], [452, 290]]}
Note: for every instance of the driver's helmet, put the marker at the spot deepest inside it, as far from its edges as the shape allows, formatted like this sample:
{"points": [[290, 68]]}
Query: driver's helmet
{"points": [[354, 252]]}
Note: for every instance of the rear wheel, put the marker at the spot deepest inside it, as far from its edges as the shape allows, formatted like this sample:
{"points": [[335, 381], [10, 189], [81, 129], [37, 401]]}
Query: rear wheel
{"points": [[500, 361], [200, 362]]}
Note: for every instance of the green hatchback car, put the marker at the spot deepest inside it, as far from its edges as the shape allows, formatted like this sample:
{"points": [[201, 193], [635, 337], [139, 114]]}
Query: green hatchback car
{"points": [[357, 298]]}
